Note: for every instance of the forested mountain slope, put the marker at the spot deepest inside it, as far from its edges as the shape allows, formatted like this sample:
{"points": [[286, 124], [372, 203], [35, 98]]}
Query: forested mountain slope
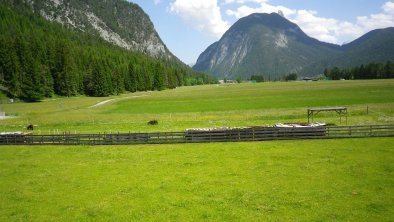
{"points": [[39, 58], [376, 46], [117, 21]]}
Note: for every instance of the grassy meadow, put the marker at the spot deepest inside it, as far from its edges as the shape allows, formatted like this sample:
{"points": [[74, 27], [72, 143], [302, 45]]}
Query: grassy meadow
{"points": [[304, 180], [316, 180], [208, 106]]}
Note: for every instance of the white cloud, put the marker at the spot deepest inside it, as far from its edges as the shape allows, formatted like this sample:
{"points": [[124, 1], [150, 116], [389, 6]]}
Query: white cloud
{"points": [[321, 28], [325, 29], [206, 16], [156, 2], [388, 7], [203, 15], [381, 20], [264, 7], [243, 1]]}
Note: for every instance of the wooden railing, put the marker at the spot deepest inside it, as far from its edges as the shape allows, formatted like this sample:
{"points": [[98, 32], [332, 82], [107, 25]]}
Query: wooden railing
{"points": [[203, 136]]}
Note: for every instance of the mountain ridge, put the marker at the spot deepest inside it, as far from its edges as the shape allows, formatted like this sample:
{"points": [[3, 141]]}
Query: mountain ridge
{"points": [[271, 45], [119, 22], [40, 59], [375, 46]]}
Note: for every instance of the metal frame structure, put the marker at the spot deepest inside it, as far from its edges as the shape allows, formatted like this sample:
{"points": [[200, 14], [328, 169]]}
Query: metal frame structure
{"points": [[342, 111]]}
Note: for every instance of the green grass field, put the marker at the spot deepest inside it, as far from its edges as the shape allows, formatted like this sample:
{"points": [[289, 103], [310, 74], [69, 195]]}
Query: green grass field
{"points": [[317, 180], [208, 106], [311, 180]]}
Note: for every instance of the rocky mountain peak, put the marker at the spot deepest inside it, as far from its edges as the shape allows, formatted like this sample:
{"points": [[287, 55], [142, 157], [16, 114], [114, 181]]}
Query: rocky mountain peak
{"points": [[259, 44], [272, 46], [119, 22]]}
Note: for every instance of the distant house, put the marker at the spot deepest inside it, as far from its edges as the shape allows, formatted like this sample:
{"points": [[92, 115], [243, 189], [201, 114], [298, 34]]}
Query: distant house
{"points": [[227, 81], [307, 79]]}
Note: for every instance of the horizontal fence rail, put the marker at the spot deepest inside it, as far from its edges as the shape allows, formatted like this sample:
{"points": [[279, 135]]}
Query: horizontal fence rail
{"points": [[203, 136]]}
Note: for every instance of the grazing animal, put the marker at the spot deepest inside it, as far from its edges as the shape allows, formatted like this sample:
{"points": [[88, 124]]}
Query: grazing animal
{"points": [[153, 122], [30, 127]]}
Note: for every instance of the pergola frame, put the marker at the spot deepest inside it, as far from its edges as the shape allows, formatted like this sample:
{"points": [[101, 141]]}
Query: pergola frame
{"points": [[342, 111]]}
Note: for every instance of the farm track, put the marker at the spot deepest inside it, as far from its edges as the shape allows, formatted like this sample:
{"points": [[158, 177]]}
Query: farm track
{"points": [[117, 99]]}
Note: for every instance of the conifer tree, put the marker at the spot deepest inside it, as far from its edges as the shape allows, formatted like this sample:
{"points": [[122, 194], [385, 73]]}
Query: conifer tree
{"points": [[39, 58]]}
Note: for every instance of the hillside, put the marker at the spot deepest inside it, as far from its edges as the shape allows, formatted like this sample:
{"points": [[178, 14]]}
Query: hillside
{"points": [[39, 58], [375, 46], [119, 22], [272, 46]]}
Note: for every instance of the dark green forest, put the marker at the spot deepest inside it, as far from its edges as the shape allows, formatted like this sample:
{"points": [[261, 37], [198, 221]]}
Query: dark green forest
{"points": [[41, 59], [367, 71]]}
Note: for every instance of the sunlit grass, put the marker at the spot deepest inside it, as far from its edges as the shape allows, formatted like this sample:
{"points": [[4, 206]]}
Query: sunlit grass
{"points": [[317, 180], [208, 106]]}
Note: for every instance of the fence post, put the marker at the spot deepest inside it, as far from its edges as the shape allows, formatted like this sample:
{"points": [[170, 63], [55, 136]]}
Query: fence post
{"points": [[231, 135]]}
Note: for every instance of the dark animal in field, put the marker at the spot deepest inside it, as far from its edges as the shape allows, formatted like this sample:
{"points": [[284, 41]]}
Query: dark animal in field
{"points": [[30, 127], [153, 122]]}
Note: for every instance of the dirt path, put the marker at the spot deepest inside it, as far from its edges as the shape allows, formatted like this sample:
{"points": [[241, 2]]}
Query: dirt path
{"points": [[102, 103], [110, 100], [7, 117]]}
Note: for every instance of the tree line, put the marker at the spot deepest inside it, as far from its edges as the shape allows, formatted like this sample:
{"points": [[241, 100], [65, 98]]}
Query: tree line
{"points": [[288, 77], [40, 59], [368, 71]]}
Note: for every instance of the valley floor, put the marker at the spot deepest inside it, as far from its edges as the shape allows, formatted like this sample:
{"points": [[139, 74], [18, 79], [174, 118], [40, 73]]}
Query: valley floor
{"points": [[303, 180], [264, 104]]}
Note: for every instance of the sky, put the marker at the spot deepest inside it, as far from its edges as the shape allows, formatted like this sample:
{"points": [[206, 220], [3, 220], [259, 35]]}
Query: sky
{"points": [[188, 27]]}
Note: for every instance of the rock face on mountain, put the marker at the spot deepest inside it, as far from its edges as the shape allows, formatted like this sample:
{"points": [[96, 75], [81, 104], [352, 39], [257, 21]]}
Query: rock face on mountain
{"points": [[271, 45], [40, 58], [117, 21]]}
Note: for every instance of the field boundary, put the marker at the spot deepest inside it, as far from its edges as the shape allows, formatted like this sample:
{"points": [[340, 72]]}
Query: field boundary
{"points": [[202, 136]]}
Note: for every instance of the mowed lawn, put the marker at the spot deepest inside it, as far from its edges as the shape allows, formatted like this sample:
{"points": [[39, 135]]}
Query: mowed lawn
{"points": [[272, 95], [315, 180], [369, 102]]}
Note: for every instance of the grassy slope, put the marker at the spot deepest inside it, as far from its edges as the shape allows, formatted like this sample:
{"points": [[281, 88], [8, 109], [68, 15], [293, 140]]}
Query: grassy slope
{"points": [[2, 96], [209, 106], [318, 180]]}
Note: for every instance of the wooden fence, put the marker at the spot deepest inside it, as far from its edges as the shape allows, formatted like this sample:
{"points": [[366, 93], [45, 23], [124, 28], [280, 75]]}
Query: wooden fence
{"points": [[203, 136]]}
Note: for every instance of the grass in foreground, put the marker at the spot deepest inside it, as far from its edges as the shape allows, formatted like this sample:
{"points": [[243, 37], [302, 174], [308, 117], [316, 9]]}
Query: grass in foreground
{"points": [[317, 180]]}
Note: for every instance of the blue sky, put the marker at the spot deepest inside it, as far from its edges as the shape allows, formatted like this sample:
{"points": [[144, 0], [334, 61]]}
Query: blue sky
{"points": [[188, 27]]}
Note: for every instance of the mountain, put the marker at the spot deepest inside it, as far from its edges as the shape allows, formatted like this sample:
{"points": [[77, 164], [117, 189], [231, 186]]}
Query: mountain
{"points": [[272, 46], [40, 58], [376, 46], [265, 44], [117, 21]]}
